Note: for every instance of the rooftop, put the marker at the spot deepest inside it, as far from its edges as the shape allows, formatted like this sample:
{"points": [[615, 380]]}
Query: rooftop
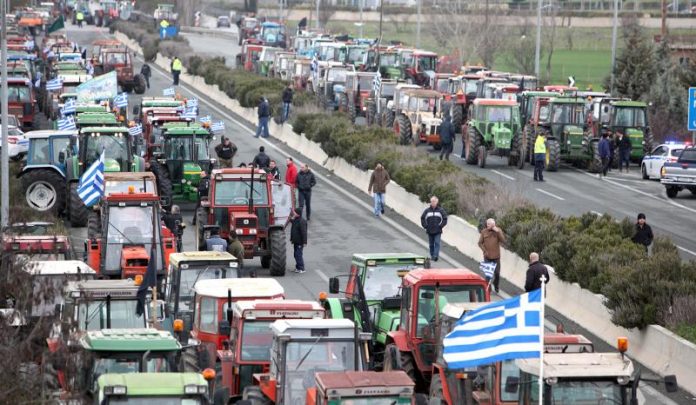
{"points": [[581, 365]]}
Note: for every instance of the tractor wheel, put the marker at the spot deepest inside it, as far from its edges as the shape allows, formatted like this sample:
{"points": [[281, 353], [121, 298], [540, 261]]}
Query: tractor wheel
{"points": [[615, 161], [201, 221], [265, 262], [94, 228], [140, 84], [648, 141], [371, 113], [553, 155], [126, 88], [482, 152], [529, 136], [471, 146], [513, 160], [595, 165], [521, 150], [402, 127], [78, 210], [436, 390], [278, 257], [672, 191], [190, 361], [457, 114], [388, 119], [351, 112], [395, 359], [44, 190], [164, 183], [254, 395]]}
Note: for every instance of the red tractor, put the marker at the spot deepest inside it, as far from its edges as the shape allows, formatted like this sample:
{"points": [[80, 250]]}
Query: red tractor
{"points": [[21, 101], [358, 89], [460, 94], [253, 205], [419, 66], [34, 241], [122, 233], [121, 61], [251, 53]]}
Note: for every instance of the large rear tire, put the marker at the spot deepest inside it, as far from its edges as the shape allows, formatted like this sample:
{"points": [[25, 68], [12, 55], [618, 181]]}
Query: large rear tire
{"points": [[164, 182], [514, 156], [471, 146], [351, 111], [436, 390], [388, 119], [140, 84], [553, 155], [371, 113], [79, 212], [278, 252], [395, 360], [254, 395], [44, 191], [402, 127], [595, 165], [457, 114], [94, 228]]}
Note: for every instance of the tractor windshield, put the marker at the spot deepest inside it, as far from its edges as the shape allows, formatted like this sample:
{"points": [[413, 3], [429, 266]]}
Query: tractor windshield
{"points": [[18, 94], [337, 75], [387, 59], [365, 83], [356, 54], [130, 225], [116, 58], [127, 363], [178, 148], [256, 341], [406, 58], [237, 192], [188, 278], [568, 114], [390, 400], [499, 114], [383, 280], [428, 306], [426, 63], [114, 147], [633, 117], [588, 391], [93, 315], [387, 89], [441, 85]]}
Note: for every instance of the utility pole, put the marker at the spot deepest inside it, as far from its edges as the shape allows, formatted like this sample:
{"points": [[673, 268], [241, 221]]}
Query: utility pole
{"points": [[317, 22], [362, 22], [418, 24], [280, 13], [4, 157], [613, 45], [537, 54], [663, 30], [381, 17]]}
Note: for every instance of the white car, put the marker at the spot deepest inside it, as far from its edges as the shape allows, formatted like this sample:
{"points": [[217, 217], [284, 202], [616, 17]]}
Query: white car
{"points": [[652, 163], [18, 145]]}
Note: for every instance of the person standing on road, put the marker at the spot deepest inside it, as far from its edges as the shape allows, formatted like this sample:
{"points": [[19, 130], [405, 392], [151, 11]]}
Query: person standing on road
{"points": [[644, 234], [236, 249], [539, 157], [203, 186], [175, 223], [225, 151], [433, 219], [80, 16], [489, 241], [378, 187], [291, 172], [264, 112], [298, 238], [147, 73], [215, 243], [273, 170], [605, 153], [624, 146], [176, 67], [305, 182], [287, 101], [261, 160], [534, 273], [446, 137]]}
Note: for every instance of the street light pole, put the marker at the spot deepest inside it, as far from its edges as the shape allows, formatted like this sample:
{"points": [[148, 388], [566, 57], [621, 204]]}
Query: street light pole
{"points": [[362, 22], [317, 22], [613, 45], [4, 157], [418, 24], [537, 54]]}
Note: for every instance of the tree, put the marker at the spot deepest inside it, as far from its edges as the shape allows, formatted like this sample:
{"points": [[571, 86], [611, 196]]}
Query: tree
{"points": [[521, 47], [636, 69], [668, 94]]}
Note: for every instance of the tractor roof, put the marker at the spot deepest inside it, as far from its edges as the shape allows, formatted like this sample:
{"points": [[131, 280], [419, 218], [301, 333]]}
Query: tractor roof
{"points": [[237, 172], [304, 328], [91, 118], [46, 133], [634, 104], [422, 93], [442, 275], [63, 96], [58, 267], [495, 102], [388, 258], [203, 256], [580, 365], [105, 130], [134, 198], [184, 130], [161, 102], [278, 309], [567, 100], [566, 343], [365, 383], [117, 289], [240, 288], [90, 108], [153, 384], [130, 340], [540, 93], [118, 182]]}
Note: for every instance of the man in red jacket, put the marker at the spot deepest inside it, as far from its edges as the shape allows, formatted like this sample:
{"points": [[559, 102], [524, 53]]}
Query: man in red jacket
{"points": [[291, 172]]}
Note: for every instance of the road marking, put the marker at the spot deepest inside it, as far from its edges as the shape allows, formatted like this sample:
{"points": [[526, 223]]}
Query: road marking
{"points": [[551, 194], [322, 275], [691, 252], [503, 175], [599, 214]]}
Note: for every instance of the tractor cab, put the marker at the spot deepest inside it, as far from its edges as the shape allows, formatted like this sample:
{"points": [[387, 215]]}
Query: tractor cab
{"points": [[251, 53], [154, 388], [494, 127], [302, 347], [565, 123], [358, 89], [362, 387], [264, 65], [484, 83], [157, 105], [419, 66], [631, 117], [332, 81], [527, 100], [302, 69], [114, 141], [20, 100], [154, 126], [273, 34], [387, 64], [440, 82], [417, 117], [525, 82], [501, 91], [251, 336], [283, 65], [461, 92], [121, 183]]}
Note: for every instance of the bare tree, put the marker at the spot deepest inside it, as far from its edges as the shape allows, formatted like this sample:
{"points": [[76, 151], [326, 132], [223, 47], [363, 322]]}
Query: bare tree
{"points": [[550, 37], [326, 11], [399, 21], [521, 47]]}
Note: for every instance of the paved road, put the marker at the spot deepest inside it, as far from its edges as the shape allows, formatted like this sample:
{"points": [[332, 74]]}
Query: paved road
{"points": [[341, 224]]}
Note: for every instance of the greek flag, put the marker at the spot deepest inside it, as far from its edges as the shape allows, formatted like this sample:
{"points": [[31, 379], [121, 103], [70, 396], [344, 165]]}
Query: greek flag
{"points": [[91, 186], [377, 83], [192, 103], [55, 84], [121, 100], [217, 126], [503, 330], [205, 119], [135, 130], [169, 92], [488, 269], [189, 113], [70, 107], [66, 124]]}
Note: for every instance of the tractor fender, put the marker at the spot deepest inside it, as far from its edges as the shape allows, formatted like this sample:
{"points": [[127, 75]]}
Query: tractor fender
{"points": [[28, 169], [400, 340], [334, 307]]}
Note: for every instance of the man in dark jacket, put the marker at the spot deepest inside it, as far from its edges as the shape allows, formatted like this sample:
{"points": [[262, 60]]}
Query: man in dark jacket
{"points": [[273, 169], [446, 137], [264, 113], [203, 186], [644, 234], [298, 238], [225, 151], [147, 73], [624, 145], [534, 273], [304, 183], [433, 219], [605, 153], [287, 101], [261, 160], [378, 187]]}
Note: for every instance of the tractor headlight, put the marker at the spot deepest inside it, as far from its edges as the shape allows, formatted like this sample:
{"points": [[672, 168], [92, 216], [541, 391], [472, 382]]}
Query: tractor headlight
{"points": [[195, 389], [183, 181], [115, 390]]}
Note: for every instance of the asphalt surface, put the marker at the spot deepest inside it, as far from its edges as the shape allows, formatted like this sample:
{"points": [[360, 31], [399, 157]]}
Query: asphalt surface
{"points": [[342, 222]]}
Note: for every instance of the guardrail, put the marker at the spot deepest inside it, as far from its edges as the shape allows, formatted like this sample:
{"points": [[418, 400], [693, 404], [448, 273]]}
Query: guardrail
{"points": [[211, 32]]}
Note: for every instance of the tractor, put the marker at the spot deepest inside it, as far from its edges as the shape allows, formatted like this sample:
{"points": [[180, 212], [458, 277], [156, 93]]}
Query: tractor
{"points": [[283, 65], [330, 86], [123, 235], [483, 83], [251, 52], [494, 127], [417, 117], [460, 94], [96, 119], [354, 54], [300, 348], [121, 61], [363, 387], [119, 156], [253, 205], [185, 269], [154, 125], [386, 62], [264, 64], [36, 241], [372, 295], [357, 90], [440, 82], [377, 102], [412, 346], [630, 117], [301, 71], [21, 102], [248, 27], [150, 106], [247, 351], [525, 82], [155, 388], [527, 100], [273, 34], [419, 66], [388, 104]]}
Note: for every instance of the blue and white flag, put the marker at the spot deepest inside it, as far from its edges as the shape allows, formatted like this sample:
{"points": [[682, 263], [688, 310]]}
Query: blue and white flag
{"points": [[217, 126], [69, 107], [205, 119], [377, 83], [66, 124], [189, 113], [55, 84], [121, 100], [503, 330], [192, 103], [135, 130], [169, 92], [91, 186]]}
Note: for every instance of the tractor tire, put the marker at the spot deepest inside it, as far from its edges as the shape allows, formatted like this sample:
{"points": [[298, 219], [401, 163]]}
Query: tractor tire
{"points": [[471, 146], [254, 395], [140, 84], [388, 119], [44, 190], [126, 88], [164, 182], [402, 128], [94, 228], [395, 360], [436, 390], [189, 360], [371, 113], [457, 114], [482, 152], [78, 211], [201, 221], [529, 136], [616, 158], [278, 254], [553, 155], [672, 191], [648, 141], [352, 113], [265, 262], [595, 165], [513, 160]]}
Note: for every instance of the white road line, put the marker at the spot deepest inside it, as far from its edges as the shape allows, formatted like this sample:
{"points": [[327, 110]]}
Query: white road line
{"points": [[691, 252], [503, 175], [322, 275], [597, 213], [550, 194]]}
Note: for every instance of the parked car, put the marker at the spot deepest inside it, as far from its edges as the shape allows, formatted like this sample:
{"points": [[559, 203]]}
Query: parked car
{"points": [[224, 21], [651, 166], [18, 145], [680, 175]]}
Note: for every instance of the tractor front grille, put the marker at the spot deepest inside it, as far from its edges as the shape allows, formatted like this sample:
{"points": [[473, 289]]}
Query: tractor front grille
{"points": [[245, 223]]}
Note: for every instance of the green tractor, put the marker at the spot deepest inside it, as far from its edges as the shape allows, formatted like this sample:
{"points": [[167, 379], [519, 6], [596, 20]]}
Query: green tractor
{"points": [[372, 295], [94, 119], [494, 127], [117, 145], [630, 117], [184, 156], [155, 388]]}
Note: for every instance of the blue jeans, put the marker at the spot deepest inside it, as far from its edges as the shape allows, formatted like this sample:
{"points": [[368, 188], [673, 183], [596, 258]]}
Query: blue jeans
{"points": [[434, 241], [286, 111], [263, 126], [379, 203], [299, 259]]}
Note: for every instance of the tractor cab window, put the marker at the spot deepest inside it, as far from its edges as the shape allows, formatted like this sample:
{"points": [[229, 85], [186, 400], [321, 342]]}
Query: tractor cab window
{"points": [[188, 278], [574, 392], [207, 318], [356, 54], [388, 59], [441, 85], [178, 148], [387, 90], [337, 75], [239, 192], [365, 83], [508, 368], [383, 280], [201, 148], [114, 147], [94, 315], [426, 63], [406, 58], [543, 113], [130, 225], [256, 341], [568, 114], [470, 86], [157, 362], [629, 117], [431, 301], [454, 85], [18, 94], [40, 153], [499, 114]]}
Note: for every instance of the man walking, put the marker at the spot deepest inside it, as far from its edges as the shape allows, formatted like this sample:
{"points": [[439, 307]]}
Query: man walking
{"points": [[433, 219], [176, 67], [298, 238], [215, 242], [305, 182], [225, 151], [287, 101], [147, 73], [263, 112], [644, 234], [446, 137], [378, 187], [624, 145], [539, 157], [261, 160], [534, 273], [605, 153], [489, 241], [290, 172]]}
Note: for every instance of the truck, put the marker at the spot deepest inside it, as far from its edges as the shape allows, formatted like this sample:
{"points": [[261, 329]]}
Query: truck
{"points": [[680, 175]]}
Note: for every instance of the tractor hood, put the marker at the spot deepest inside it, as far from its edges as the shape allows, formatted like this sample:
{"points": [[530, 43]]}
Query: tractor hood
{"points": [[134, 260], [431, 120], [111, 165], [635, 133], [389, 320], [502, 135], [573, 130], [192, 173]]}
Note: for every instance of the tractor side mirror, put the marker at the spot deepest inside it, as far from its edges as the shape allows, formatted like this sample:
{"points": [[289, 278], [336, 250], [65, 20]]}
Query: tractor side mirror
{"points": [[224, 328], [512, 385], [61, 157], [334, 285], [671, 383]]}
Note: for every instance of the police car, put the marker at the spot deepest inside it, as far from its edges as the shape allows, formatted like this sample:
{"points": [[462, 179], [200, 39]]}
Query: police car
{"points": [[652, 163]]}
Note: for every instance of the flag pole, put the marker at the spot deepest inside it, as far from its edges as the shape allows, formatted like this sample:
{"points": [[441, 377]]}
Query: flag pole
{"points": [[541, 343]]}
